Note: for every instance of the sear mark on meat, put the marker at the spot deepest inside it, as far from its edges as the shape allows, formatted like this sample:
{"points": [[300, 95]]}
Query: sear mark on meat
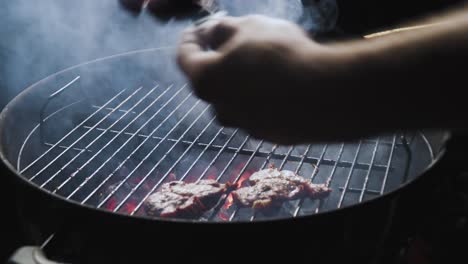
{"points": [[179, 199], [270, 187]]}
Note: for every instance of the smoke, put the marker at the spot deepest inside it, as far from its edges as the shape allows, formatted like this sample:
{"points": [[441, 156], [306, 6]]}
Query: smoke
{"points": [[42, 37], [289, 9], [312, 15]]}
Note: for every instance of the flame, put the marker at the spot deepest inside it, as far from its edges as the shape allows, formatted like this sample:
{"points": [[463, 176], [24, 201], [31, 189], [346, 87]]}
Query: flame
{"points": [[243, 178], [222, 214], [235, 173], [229, 202]]}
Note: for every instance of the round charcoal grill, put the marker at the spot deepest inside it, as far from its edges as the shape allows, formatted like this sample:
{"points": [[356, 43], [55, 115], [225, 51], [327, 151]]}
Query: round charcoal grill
{"points": [[86, 146], [107, 134]]}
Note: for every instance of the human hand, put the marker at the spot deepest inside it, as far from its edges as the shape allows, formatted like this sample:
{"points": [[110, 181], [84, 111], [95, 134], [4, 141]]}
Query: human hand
{"points": [[260, 74]]}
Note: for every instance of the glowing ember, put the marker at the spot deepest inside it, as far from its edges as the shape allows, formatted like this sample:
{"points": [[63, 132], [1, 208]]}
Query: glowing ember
{"points": [[213, 171], [111, 204], [130, 207], [191, 178], [172, 177], [136, 180], [223, 216], [211, 177], [151, 182], [236, 171], [146, 186]]}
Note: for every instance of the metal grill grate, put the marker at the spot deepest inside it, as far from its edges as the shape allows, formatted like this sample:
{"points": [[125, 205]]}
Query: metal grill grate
{"points": [[122, 150]]}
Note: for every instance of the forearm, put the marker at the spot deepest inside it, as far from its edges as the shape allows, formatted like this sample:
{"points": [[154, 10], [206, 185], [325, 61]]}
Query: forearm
{"points": [[419, 76]]}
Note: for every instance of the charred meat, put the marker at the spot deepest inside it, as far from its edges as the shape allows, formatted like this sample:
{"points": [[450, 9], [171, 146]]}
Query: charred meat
{"points": [[185, 200], [270, 187]]}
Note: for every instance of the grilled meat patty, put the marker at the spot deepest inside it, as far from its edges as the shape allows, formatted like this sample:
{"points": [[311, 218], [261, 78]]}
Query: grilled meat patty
{"points": [[270, 187], [185, 200]]}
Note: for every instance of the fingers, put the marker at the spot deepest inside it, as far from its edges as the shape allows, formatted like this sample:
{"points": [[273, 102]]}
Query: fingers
{"points": [[198, 49], [228, 63], [197, 63], [216, 32], [192, 56]]}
